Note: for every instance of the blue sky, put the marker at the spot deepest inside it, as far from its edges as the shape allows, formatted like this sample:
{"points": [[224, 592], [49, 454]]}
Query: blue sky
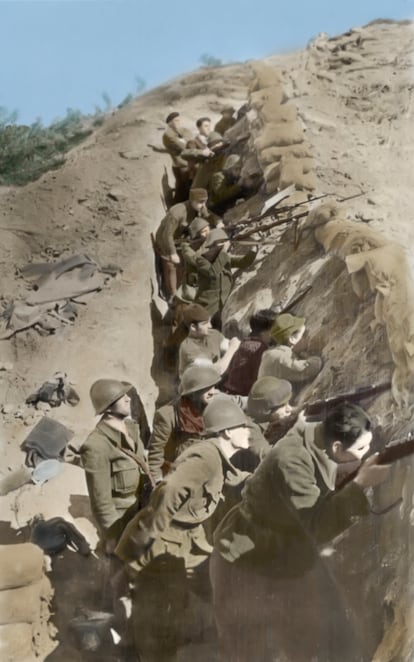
{"points": [[57, 54]]}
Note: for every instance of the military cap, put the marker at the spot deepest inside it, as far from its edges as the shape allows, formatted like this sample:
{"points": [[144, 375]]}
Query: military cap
{"points": [[216, 236], [171, 117], [228, 109], [197, 225], [195, 313], [284, 325], [266, 394], [198, 195]]}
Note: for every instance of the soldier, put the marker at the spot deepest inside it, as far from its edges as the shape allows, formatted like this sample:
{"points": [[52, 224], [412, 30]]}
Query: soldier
{"points": [[180, 423], [165, 545], [213, 268], [114, 460], [269, 406], [210, 165], [175, 140], [171, 230], [280, 361], [199, 229], [203, 125], [267, 573], [203, 344], [244, 366], [227, 120]]}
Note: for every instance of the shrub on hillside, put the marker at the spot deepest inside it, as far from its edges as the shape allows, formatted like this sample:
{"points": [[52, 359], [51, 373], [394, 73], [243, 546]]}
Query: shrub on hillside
{"points": [[26, 152]]}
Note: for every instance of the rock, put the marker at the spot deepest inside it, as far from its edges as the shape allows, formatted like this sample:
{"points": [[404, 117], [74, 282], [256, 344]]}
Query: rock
{"points": [[6, 366], [116, 194], [43, 406], [131, 154], [8, 409]]}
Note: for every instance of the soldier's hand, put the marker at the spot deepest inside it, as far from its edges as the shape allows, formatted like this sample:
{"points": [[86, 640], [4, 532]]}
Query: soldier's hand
{"points": [[174, 258], [371, 473], [234, 342]]}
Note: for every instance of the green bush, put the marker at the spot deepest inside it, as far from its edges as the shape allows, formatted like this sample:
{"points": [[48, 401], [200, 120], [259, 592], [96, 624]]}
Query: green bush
{"points": [[26, 152]]}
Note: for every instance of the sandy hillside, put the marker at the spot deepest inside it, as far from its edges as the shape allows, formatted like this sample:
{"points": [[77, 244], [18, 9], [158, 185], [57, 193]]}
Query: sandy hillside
{"points": [[354, 96]]}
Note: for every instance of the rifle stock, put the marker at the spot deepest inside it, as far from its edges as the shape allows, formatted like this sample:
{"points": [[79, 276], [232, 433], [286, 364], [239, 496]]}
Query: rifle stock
{"points": [[395, 450]]}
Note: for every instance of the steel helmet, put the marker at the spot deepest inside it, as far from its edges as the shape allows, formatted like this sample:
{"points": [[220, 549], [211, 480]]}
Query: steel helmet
{"points": [[222, 413], [198, 377], [104, 392], [268, 393]]}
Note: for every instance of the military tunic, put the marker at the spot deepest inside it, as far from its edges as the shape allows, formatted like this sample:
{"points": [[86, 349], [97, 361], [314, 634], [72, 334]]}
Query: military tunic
{"points": [[175, 142], [175, 224], [113, 477], [281, 362], [168, 440], [215, 279]]}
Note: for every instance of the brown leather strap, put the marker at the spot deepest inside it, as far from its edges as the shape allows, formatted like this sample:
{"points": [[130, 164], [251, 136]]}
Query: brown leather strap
{"points": [[141, 463]]}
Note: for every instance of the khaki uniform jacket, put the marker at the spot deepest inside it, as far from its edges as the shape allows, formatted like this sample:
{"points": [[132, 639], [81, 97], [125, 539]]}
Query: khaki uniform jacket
{"points": [[281, 362], [167, 440], [112, 477], [189, 495], [289, 506], [175, 224], [215, 279], [175, 142]]}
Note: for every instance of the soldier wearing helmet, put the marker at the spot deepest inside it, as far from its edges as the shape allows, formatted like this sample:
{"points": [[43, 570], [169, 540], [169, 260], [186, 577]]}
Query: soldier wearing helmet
{"points": [[179, 424], [113, 459], [165, 544]]}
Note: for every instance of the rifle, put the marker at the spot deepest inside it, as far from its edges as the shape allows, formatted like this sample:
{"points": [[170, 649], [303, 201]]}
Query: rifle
{"points": [[274, 211], [395, 450], [316, 410], [293, 302]]}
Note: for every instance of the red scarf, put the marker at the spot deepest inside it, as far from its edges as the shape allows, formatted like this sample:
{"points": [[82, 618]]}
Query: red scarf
{"points": [[189, 419]]}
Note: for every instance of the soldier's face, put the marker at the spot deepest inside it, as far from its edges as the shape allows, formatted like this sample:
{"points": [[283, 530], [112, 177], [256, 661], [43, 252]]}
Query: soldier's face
{"points": [[175, 123], [202, 328], [205, 128], [122, 407], [298, 335], [355, 452], [281, 412], [204, 232], [239, 437], [206, 395], [198, 206]]}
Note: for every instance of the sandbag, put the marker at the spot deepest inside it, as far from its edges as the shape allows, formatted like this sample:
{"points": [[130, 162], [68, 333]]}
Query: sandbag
{"points": [[275, 153], [259, 98], [23, 605], [20, 565], [297, 172], [272, 111], [264, 76], [280, 134], [16, 643]]}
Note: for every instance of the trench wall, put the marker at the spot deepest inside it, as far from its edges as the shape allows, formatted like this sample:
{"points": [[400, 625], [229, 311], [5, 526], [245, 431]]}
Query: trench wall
{"points": [[360, 319]]}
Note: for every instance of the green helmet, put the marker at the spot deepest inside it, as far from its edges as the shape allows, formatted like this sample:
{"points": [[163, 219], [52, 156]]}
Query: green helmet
{"points": [[218, 235], [214, 138], [104, 392], [222, 413], [267, 393], [198, 377]]}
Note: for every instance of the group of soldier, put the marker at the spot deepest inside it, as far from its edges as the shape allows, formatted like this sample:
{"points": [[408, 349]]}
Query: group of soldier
{"points": [[213, 519]]}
